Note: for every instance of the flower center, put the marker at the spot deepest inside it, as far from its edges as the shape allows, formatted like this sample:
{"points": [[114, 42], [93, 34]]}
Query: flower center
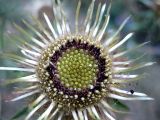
{"points": [[75, 72], [77, 69]]}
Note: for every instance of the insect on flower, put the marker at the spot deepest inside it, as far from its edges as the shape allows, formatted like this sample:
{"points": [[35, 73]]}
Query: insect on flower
{"points": [[74, 74]]}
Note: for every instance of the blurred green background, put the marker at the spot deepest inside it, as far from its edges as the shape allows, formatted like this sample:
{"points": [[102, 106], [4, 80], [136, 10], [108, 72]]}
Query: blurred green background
{"points": [[144, 22]]}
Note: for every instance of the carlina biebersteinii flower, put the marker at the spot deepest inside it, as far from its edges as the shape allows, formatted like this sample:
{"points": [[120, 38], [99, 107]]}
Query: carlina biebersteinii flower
{"points": [[75, 74]]}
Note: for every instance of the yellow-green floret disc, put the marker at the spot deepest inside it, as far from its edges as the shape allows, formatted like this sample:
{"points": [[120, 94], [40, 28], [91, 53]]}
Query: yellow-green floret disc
{"points": [[77, 69]]}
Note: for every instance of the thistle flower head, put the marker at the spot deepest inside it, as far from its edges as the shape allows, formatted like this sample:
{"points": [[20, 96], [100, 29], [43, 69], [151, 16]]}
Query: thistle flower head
{"points": [[75, 73]]}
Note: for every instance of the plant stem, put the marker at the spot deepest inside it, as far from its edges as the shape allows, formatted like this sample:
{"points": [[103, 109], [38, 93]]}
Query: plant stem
{"points": [[2, 27]]}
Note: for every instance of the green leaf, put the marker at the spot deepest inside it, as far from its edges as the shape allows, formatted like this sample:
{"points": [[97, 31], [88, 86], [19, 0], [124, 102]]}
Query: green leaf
{"points": [[116, 104], [19, 114]]}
